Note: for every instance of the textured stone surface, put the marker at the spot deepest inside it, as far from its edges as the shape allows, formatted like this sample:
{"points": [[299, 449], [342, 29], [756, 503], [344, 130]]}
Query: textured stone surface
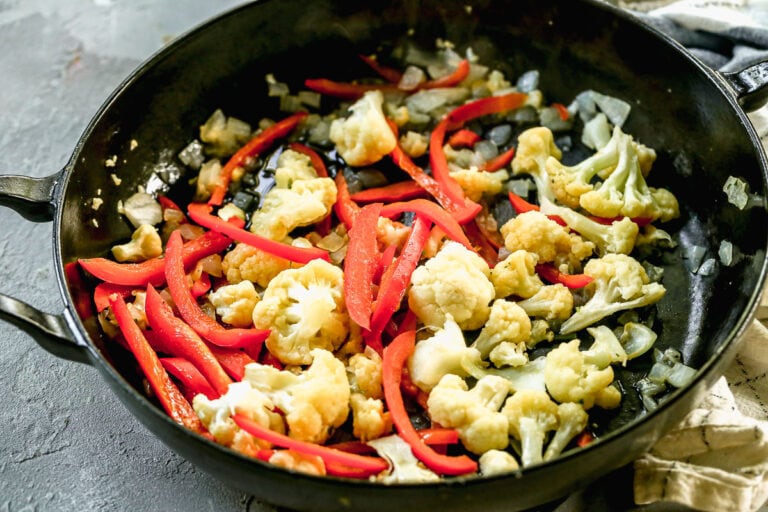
{"points": [[67, 444]]}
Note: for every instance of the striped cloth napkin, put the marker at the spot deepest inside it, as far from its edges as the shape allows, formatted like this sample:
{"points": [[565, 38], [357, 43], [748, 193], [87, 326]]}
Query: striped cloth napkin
{"points": [[717, 458]]}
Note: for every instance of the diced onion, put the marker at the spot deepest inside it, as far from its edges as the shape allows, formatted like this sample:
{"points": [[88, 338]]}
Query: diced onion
{"points": [[637, 339]]}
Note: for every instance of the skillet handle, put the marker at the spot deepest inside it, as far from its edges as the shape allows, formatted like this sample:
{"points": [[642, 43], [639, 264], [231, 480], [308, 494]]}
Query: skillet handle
{"points": [[750, 85], [32, 198]]}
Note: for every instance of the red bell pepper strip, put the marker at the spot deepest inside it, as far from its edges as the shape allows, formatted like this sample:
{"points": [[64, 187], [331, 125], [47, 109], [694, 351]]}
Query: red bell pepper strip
{"points": [[103, 290], [389, 74], [345, 208], [183, 341], [201, 213], [483, 107], [372, 465], [169, 396], [191, 312], [395, 280], [360, 267], [193, 382], [439, 435], [499, 161], [252, 148], [168, 204], [562, 111], [521, 206], [385, 260], [551, 274], [584, 439], [464, 138], [434, 213], [399, 191], [233, 361], [153, 270], [459, 74], [201, 286], [483, 244], [394, 361], [462, 209]]}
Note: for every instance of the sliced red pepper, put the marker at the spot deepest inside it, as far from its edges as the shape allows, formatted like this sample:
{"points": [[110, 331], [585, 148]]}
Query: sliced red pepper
{"points": [[464, 138], [389, 74], [551, 274], [459, 74], [168, 204], [103, 290], [483, 107], [372, 465], [252, 148], [434, 213], [399, 191], [193, 382], [169, 396], [521, 206], [201, 286], [482, 243], [360, 267], [439, 435], [201, 213], [191, 312], [462, 209], [153, 270], [81, 292], [584, 439], [562, 111], [499, 161], [395, 356], [233, 361], [182, 341], [345, 208], [395, 280], [385, 260]]}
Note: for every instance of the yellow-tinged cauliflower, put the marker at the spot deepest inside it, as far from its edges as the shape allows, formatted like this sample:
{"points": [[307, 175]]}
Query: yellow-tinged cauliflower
{"points": [[476, 183], [315, 401], [570, 378], [534, 232], [516, 275], [369, 420], [414, 143], [572, 419], [534, 147], [531, 415], [304, 309], [234, 303], [364, 370], [504, 335], [551, 302], [364, 137], [494, 462], [247, 263], [443, 353], [285, 209], [145, 244], [240, 398], [293, 166], [474, 413], [305, 463], [456, 282], [619, 283]]}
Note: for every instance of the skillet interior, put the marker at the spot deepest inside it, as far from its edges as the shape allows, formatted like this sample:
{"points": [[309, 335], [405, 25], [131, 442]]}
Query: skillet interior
{"points": [[678, 109]]}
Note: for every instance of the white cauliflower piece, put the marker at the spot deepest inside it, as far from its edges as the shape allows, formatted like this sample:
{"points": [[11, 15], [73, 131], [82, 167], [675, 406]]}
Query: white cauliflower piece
{"points": [[305, 463], [364, 137], [141, 208], [473, 413], [572, 420], [315, 401], [476, 183], [145, 244], [414, 143], [443, 353], [293, 166], [456, 282], [404, 467], [570, 378], [247, 263], [551, 302], [364, 370], [516, 275], [534, 232], [369, 421], [304, 309], [495, 462], [234, 303], [507, 323], [531, 415]]}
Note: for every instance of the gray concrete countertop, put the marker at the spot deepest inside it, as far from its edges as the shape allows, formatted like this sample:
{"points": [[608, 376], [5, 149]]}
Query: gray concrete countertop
{"points": [[67, 444]]}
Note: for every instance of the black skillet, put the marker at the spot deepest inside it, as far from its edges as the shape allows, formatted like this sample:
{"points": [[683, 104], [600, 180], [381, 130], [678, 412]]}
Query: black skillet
{"points": [[689, 114]]}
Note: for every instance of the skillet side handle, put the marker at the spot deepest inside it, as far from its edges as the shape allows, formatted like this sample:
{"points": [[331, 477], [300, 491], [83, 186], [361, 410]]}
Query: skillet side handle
{"points": [[750, 85], [32, 198], [49, 331]]}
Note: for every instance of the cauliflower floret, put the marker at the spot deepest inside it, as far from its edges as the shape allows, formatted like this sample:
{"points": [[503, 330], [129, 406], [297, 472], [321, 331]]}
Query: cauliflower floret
{"points": [[534, 232], [304, 309], [364, 137], [404, 466], [414, 144], [145, 244], [234, 303], [531, 415], [551, 302], [141, 208], [364, 370], [369, 421], [443, 353], [509, 324], [477, 183], [572, 419], [619, 283], [534, 147], [456, 282], [516, 275], [570, 378], [247, 263], [293, 166], [285, 209], [305, 463], [473, 413], [495, 462], [314, 402], [240, 398]]}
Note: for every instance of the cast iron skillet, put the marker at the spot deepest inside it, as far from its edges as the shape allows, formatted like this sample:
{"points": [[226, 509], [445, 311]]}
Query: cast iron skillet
{"points": [[689, 114]]}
